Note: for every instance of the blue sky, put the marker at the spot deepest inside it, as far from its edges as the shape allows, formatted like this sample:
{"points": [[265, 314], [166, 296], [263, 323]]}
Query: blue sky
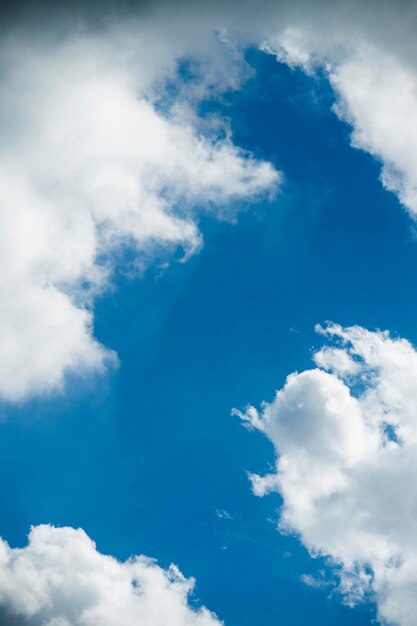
{"points": [[148, 459], [207, 251]]}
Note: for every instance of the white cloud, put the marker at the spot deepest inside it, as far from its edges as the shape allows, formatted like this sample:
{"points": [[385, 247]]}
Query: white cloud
{"points": [[346, 444], [368, 51], [378, 97], [60, 579], [89, 163]]}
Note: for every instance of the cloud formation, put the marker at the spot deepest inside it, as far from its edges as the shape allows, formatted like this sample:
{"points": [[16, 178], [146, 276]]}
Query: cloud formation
{"points": [[368, 52], [89, 163], [60, 579], [378, 97], [345, 436]]}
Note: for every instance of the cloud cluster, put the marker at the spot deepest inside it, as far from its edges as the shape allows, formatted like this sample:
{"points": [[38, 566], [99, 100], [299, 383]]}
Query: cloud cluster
{"points": [[60, 579], [345, 435], [88, 163], [91, 162]]}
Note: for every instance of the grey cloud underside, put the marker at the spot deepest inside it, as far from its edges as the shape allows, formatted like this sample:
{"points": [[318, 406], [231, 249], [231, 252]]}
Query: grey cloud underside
{"points": [[389, 22]]}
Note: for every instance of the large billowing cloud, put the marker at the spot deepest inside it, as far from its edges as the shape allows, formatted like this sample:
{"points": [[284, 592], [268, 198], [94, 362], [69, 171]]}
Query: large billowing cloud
{"points": [[89, 163], [345, 435], [60, 579]]}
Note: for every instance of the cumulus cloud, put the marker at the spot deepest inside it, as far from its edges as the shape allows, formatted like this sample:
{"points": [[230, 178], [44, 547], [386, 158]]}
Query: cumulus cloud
{"points": [[345, 435], [88, 163], [60, 579], [378, 97], [368, 51]]}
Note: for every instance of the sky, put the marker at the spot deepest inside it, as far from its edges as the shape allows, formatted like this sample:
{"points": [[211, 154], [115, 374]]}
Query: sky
{"points": [[202, 207]]}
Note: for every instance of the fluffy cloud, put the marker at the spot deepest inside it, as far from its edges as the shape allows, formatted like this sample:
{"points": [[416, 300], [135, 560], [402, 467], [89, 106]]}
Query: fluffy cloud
{"points": [[60, 579], [345, 435], [376, 93], [88, 163], [368, 53], [378, 97]]}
